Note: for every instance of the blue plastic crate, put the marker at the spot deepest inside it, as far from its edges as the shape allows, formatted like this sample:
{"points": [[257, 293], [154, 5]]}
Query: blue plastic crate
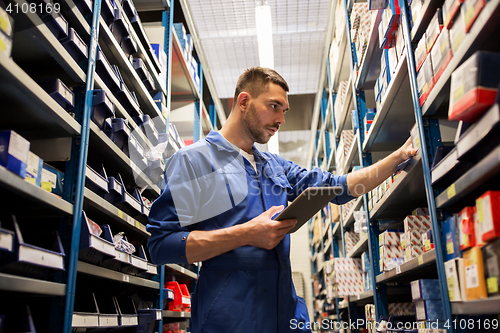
{"points": [[148, 128], [128, 100], [126, 309], [59, 92], [93, 248], [102, 108], [75, 46], [84, 6], [115, 189], [96, 179], [129, 8], [119, 28], [121, 258], [86, 313], [120, 134], [56, 23], [107, 11], [129, 46], [106, 72]]}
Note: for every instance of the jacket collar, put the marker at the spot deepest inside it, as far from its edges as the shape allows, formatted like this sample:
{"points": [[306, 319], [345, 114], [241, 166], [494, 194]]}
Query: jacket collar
{"points": [[221, 143]]}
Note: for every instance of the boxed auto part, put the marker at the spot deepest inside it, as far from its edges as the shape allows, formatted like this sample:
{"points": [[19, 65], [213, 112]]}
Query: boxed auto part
{"points": [[450, 9], [466, 228], [429, 310], [433, 30], [424, 289], [390, 238], [474, 86], [427, 240], [455, 279], [389, 24], [412, 251], [451, 238], [471, 10], [441, 54], [420, 52], [425, 80], [457, 32], [390, 257], [491, 256], [416, 9], [53, 179], [417, 222], [488, 212], [475, 283], [14, 151], [34, 169]]}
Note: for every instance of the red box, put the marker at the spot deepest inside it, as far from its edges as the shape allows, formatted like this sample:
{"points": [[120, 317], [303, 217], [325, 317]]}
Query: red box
{"points": [[182, 299], [471, 10], [467, 236], [450, 9], [488, 212], [441, 54]]}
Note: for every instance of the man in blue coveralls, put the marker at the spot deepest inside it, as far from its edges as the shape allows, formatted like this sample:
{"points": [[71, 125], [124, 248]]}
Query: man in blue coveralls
{"points": [[217, 207]]}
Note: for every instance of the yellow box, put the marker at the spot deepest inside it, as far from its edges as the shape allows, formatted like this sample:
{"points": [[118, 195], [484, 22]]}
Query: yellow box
{"points": [[475, 283]]}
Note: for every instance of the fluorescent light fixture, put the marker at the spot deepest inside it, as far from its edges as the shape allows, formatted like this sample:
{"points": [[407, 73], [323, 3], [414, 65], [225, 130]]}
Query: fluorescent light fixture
{"points": [[264, 35]]}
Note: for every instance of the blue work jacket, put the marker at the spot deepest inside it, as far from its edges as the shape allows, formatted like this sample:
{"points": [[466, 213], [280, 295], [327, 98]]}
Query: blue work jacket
{"points": [[210, 186]]}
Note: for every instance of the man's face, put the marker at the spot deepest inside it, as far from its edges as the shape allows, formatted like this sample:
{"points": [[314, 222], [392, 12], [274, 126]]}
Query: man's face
{"points": [[266, 113]]}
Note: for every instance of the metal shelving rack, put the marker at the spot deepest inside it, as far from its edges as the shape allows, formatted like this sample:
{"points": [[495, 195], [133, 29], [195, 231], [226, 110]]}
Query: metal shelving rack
{"points": [[397, 114], [31, 112]]}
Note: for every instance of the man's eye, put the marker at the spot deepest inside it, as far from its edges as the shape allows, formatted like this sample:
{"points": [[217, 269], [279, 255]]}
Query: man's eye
{"points": [[274, 106]]}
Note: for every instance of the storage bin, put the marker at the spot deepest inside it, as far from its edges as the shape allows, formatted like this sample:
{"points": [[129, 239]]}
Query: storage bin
{"points": [[140, 68], [119, 28], [127, 311], [56, 23], [59, 92], [129, 8], [150, 272], [120, 134], [148, 128], [37, 251], [102, 108], [130, 203], [115, 189], [108, 313], [106, 72], [121, 259], [138, 262], [107, 11], [85, 6], [128, 100], [75, 46], [129, 46], [93, 248], [155, 171], [6, 239], [147, 320], [182, 299], [85, 313], [96, 179], [17, 318]]}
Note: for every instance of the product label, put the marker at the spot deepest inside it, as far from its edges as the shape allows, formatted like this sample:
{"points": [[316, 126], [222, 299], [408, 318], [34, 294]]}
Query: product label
{"points": [[449, 247], [450, 192], [451, 288], [32, 167], [457, 41], [47, 186], [485, 216], [420, 259], [492, 284], [469, 14], [19, 147], [428, 245], [50, 177], [5, 23], [471, 277]]}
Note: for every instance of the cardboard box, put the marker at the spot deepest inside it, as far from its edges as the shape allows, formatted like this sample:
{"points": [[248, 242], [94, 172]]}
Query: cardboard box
{"points": [[466, 228], [390, 238], [455, 279], [416, 9], [400, 42], [401, 309], [420, 53], [441, 54], [429, 310], [52, 179], [413, 237], [427, 240], [388, 254], [413, 251], [34, 169], [450, 9], [365, 261], [420, 222], [367, 281], [425, 80], [488, 211], [433, 30], [474, 86], [14, 150], [491, 256], [425, 289], [415, 138], [471, 10], [478, 227], [457, 32], [475, 283], [451, 236], [351, 239], [347, 264]]}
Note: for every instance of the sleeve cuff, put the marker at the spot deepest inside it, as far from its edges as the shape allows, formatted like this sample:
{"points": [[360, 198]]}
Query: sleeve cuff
{"points": [[346, 195]]}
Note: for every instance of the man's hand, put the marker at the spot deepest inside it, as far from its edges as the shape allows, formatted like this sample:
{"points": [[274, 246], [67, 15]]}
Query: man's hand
{"points": [[406, 151], [266, 233]]}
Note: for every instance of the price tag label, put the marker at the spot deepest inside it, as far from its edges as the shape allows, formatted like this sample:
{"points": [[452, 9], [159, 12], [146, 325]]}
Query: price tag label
{"points": [[358, 296], [398, 270], [182, 314], [120, 214], [137, 225], [427, 245], [451, 191], [183, 270], [126, 278], [420, 259]]}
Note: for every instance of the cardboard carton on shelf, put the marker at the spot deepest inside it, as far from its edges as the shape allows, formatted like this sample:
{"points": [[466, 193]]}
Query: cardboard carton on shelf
{"points": [[491, 257], [488, 211], [475, 283]]}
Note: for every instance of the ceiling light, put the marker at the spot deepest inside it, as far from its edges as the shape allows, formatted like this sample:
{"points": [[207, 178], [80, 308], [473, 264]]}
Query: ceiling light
{"points": [[264, 35]]}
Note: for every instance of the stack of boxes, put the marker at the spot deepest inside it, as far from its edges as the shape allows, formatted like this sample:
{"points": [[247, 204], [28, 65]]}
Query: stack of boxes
{"points": [[187, 51], [351, 238], [340, 99], [6, 32], [369, 118], [391, 254], [345, 143], [389, 25], [361, 20], [475, 274], [348, 277], [347, 208], [429, 309], [412, 241]]}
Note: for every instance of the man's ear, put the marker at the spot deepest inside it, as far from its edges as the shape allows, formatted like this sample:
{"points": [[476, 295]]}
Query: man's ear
{"points": [[242, 101]]}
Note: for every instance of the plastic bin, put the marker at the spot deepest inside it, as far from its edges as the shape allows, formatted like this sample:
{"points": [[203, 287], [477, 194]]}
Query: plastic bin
{"points": [[182, 299], [138, 263], [17, 318], [95, 249], [148, 319], [140, 68], [107, 11], [149, 83], [96, 181], [121, 259], [59, 92], [106, 72], [130, 203], [168, 296], [150, 272], [115, 189], [120, 134], [148, 128], [85, 312], [56, 23], [6, 239], [37, 252], [137, 154], [102, 108], [129, 8], [127, 311], [119, 28], [75, 46], [129, 46], [85, 6], [108, 313], [155, 171], [128, 100]]}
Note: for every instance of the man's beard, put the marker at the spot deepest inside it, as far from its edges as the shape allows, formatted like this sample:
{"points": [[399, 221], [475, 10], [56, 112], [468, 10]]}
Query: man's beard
{"points": [[258, 132]]}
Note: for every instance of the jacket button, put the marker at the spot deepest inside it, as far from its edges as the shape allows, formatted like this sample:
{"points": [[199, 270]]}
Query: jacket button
{"points": [[183, 238], [182, 257]]}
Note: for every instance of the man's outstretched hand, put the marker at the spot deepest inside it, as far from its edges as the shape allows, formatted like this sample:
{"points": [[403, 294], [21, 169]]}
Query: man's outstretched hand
{"points": [[406, 151]]}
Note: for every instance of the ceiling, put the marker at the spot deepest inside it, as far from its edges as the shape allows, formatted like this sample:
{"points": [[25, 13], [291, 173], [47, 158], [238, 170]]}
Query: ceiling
{"points": [[226, 29]]}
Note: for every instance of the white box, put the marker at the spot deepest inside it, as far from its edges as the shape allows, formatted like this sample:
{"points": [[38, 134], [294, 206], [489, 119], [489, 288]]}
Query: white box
{"points": [[455, 279]]}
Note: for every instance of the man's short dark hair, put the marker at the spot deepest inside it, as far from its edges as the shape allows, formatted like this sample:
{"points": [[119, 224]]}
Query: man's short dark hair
{"points": [[254, 81]]}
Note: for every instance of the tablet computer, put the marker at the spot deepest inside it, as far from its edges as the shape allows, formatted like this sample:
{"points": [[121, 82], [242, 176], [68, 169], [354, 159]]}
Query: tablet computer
{"points": [[307, 204]]}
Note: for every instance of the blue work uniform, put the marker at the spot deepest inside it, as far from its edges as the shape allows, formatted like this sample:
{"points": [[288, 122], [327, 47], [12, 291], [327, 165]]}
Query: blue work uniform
{"points": [[248, 289]]}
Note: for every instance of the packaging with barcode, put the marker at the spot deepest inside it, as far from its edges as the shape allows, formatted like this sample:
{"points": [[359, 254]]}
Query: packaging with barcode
{"points": [[429, 310], [425, 289], [491, 256], [420, 52], [457, 32], [455, 278], [466, 228], [475, 283], [471, 10], [416, 9], [34, 169], [441, 54], [451, 238], [450, 9], [413, 251], [425, 80], [433, 30], [488, 211]]}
